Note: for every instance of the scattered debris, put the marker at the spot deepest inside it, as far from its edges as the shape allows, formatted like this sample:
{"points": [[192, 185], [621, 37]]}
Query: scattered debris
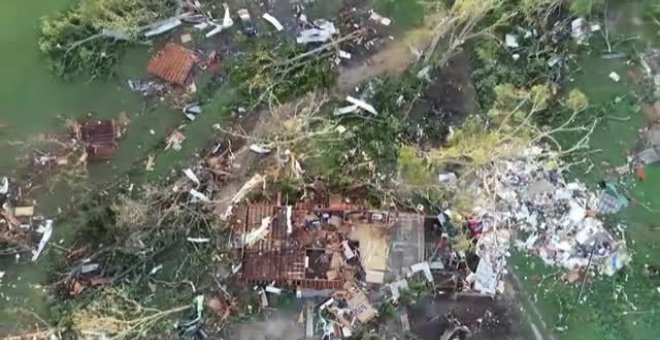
{"points": [[322, 32], [259, 149], [174, 140], [47, 231], [380, 19]]}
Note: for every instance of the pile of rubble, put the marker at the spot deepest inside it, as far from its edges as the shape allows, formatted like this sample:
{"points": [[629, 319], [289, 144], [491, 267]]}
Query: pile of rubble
{"points": [[19, 224], [527, 199]]}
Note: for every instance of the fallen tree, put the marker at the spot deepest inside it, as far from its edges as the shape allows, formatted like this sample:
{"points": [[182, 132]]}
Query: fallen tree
{"points": [[89, 37]]}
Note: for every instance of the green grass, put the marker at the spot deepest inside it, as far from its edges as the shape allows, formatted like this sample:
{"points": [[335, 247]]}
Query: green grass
{"points": [[405, 13]]}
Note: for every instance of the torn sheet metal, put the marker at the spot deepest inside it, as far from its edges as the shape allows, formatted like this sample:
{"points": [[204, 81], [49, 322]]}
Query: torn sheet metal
{"points": [[200, 196], [345, 110], [260, 149], [46, 231], [273, 21], [423, 267], [362, 104], [198, 239], [191, 175], [166, 25]]}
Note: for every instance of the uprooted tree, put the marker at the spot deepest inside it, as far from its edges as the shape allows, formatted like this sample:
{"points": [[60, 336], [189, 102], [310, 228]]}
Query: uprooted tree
{"points": [[89, 37]]}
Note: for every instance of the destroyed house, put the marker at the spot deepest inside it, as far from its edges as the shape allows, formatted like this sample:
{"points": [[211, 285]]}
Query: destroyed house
{"points": [[100, 138], [172, 64], [301, 246]]}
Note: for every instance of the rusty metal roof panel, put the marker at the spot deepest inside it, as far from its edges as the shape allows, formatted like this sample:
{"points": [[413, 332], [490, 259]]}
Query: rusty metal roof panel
{"points": [[100, 136], [274, 266], [173, 64]]}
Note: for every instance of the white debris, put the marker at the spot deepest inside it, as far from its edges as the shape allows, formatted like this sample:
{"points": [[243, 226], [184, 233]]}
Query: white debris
{"points": [[4, 186], [515, 56], [362, 104], [615, 76], [595, 27], [156, 269], [257, 234], [345, 110], [551, 217], [273, 290], [422, 267], [289, 217], [344, 55], [580, 30], [259, 149], [163, 27], [424, 73], [380, 19], [191, 175], [348, 252], [198, 239], [324, 31], [227, 22], [198, 195], [273, 21], [46, 231], [447, 177], [511, 41]]}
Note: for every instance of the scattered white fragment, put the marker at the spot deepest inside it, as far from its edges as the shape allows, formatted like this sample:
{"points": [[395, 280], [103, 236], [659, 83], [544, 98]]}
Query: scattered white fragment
{"points": [[156, 269], [226, 23], [447, 177], [202, 25], [259, 149], [424, 73], [595, 27], [340, 129], [515, 56], [511, 41], [381, 19], [273, 21], [289, 216], [344, 55], [198, 239], [361, 104], [4, 186], [199, 196], [615, 76], [46, 231], [163, 27], [348, 252], [345, 110], [273, 290], [423, 267], [191, 175]]}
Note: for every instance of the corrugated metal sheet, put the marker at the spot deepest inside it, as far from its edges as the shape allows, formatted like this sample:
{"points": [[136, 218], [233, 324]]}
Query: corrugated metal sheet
{"points": [[172, 64]]}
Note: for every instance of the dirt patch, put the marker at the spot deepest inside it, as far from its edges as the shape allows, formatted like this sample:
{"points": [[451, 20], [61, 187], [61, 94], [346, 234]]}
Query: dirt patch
{"points": [[273, 329], [446, 102], [486, 318]]}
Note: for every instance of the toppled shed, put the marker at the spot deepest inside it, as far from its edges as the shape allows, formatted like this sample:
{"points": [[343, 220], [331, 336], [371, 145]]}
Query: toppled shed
{"points": [[173, 64]]}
